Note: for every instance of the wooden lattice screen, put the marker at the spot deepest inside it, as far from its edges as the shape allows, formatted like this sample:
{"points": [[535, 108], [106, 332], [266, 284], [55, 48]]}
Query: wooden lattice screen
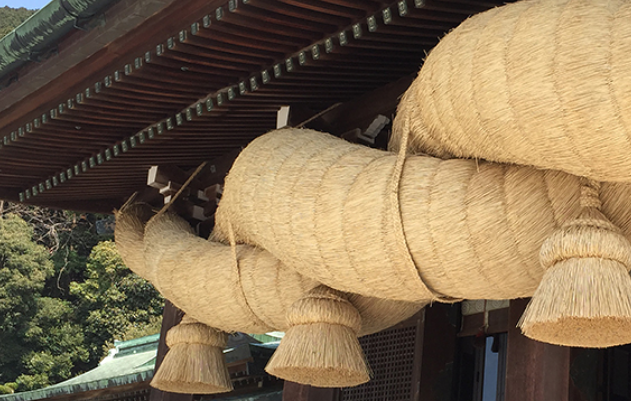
{"points": [[391, 355]]}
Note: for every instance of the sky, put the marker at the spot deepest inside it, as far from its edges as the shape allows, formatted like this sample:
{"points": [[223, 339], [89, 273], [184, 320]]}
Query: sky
{"points": [[30, 4]]}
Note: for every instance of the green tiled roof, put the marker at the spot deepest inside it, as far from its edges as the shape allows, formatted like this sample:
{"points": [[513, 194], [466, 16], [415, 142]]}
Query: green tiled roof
{"points": [[271, 337], [130, 362], [133, 361]]}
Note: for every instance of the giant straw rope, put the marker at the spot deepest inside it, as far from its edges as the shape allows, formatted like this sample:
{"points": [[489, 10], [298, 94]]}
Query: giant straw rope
{"points": [[199, 277], [329, 240], [540, 83], [473, 229]]}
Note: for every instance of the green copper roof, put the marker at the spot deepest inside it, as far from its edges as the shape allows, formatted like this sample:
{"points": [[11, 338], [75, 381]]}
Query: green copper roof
{"points": [[43, 29], [130, 362], [133, 361], [271, 337]]}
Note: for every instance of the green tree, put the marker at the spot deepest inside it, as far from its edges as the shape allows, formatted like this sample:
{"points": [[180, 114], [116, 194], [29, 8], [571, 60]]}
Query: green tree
{"points": [[63, 297], [24, 268], [113, 301], [56, 342], [69, 238], [10, 18], [41, 342]]}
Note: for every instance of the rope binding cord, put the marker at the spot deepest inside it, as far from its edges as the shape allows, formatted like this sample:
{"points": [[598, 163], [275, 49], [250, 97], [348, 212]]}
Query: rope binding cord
{"points": [[182, 188], [242, 299], [399, 232]]}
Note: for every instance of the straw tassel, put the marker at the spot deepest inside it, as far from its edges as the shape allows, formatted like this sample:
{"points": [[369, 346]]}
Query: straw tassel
{"points": [[195, 362], [584, 299], [320, 347]]}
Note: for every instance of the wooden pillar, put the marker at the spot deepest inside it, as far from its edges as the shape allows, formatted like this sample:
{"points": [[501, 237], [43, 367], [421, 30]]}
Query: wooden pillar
{"points": [[170, 317], [535, 371], [437, 355], [300, 392]]}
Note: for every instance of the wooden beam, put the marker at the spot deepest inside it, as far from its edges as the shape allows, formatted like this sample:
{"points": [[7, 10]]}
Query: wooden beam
{"points": [[198, 201], [535, 371], [104, 206], [497, 323], [159, 177], [588, 376], [216, 170], [361, 112]]}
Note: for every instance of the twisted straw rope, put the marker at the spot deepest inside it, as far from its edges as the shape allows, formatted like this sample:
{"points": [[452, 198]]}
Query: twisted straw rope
{"points": [[238, 285], [536, 83], [473, 230], [590, 194]]}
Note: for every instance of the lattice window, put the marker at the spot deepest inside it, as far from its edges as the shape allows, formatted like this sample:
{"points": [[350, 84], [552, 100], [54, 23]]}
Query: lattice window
{"points": [[391, 358]]}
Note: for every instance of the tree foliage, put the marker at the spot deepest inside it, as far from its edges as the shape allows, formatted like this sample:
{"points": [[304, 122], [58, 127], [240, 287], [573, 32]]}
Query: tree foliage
{"points": [[64, 293], [10, 18], [112, 300], [24, 268]]}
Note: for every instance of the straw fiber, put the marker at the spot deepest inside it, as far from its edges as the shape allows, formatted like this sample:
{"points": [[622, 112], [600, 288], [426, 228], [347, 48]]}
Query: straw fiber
{"points": [[329, 240], [133, 221], [541, 83], [474, 230], [584, 298], [320, 347], [201, 278], [332, 232], [195, 363]]}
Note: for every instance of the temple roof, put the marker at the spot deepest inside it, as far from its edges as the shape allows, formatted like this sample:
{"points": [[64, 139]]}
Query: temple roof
{"points": [[155, 82]]}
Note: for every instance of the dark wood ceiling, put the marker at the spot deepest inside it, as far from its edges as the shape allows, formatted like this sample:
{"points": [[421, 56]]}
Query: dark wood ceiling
{"points": [[213, 86]]}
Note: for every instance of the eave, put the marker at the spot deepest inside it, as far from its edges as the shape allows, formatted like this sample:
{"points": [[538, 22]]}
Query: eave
{"points": [[196, 80]]}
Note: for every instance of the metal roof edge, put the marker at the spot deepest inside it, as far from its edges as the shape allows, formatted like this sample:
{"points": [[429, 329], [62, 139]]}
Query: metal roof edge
{"points": [[49, 392], [43, 29]]}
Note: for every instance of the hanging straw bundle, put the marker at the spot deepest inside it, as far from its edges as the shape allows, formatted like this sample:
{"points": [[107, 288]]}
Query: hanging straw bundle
{"points": [[251, 293], [584, 298], [541, 83], [320, 347], [195, 363]]}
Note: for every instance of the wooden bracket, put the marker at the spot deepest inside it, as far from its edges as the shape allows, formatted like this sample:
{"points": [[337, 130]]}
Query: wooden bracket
{"points": [[199, 199]]}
